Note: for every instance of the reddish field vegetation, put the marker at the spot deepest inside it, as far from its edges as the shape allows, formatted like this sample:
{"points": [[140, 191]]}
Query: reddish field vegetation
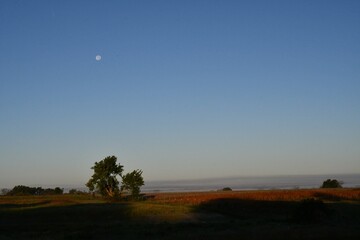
{"points": [[269, 214], [266, 195]]}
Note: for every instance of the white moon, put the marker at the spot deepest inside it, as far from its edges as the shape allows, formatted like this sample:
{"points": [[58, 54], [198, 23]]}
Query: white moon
{"points": [[98, 57]]}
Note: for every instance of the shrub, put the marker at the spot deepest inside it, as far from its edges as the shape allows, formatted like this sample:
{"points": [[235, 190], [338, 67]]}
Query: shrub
{"points": [[21, 190], [77, 192], [331, 183]]}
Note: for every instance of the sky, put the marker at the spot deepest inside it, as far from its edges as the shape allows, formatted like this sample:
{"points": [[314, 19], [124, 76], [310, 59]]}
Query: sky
{"points": [[183, 89]]}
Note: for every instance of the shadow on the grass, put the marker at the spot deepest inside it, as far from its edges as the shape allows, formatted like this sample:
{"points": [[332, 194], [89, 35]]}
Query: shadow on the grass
{"points": [[308, 211], [25, 205], [307, 219], [246, 218], [328, 197], [81, 221], [250, 209], [72, 214]]}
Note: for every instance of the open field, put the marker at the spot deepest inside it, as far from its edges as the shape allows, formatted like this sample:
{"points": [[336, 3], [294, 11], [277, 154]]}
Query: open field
{"points": [[271, 214], [196, 198]]}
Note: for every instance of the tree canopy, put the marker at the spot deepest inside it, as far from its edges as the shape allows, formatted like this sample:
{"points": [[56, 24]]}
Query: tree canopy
{"points": [[331, 183], [21, 190], [132, 182], [104, 179]]}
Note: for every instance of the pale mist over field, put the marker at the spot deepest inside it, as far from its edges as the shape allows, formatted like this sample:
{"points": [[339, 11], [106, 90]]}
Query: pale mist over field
{"points": [[190, 92]]}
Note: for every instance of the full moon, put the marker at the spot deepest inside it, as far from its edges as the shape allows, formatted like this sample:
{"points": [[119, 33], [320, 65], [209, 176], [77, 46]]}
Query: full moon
{"points": [[98, 57]]}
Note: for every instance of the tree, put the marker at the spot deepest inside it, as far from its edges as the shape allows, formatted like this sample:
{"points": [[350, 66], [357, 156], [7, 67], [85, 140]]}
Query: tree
{"points": [[132, 182], [332, 183], [74, 191], [21, 190], [105, 175]]}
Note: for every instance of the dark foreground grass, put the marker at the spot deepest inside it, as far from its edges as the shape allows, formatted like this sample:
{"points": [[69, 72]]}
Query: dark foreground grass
{"points": [[85, 217]]}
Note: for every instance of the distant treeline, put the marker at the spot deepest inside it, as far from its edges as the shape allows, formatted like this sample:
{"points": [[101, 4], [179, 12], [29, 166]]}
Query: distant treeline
{"points": [[21, 190]]}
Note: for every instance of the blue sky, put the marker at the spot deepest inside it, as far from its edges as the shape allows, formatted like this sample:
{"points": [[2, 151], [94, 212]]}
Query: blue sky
{"points": [[184, 89]]}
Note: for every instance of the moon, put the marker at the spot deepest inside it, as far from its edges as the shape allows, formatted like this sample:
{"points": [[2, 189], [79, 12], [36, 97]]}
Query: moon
{"points": [[98, 57]]}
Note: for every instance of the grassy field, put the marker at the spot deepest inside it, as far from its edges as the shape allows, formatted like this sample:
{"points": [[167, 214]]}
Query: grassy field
{"points": [[272, 214]]}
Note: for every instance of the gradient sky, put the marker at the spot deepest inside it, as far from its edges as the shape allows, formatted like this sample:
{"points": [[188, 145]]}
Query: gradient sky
{"points": [[184, 90]]}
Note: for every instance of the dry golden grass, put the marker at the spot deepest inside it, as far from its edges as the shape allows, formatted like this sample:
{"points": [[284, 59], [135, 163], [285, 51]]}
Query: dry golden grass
{"points": [[24, 202], [264, 195], [193, 198]]}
